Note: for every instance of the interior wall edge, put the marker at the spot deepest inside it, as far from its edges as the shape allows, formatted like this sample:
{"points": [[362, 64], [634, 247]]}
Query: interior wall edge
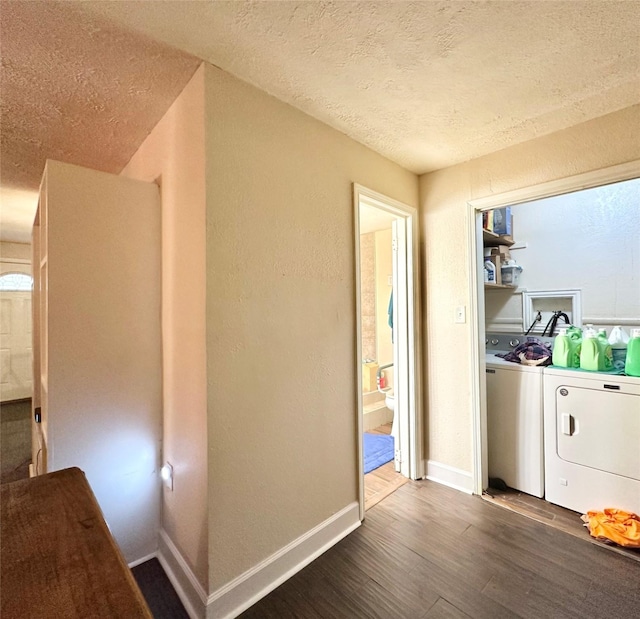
{"points": [[190, 591], [245, 590], [449, 476]]}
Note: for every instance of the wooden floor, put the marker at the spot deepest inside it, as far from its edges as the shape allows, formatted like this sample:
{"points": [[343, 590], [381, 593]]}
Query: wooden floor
{"points": [[551, 515], [427, 551], [383, 481]]}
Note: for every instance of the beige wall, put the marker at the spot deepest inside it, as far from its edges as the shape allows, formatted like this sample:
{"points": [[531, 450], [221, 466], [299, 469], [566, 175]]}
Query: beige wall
{"points": [[607, 141], [174, 154], [99, 343], [281, 311], [15, 251], [15, 257]]}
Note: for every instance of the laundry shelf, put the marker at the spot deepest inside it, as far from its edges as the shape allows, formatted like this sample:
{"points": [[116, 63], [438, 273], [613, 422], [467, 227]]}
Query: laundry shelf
{"points": [[488, 286], [491, 239]]}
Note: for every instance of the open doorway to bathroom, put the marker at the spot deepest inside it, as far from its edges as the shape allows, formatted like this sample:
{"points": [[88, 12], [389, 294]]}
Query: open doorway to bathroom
{"points": [[388, 414]]}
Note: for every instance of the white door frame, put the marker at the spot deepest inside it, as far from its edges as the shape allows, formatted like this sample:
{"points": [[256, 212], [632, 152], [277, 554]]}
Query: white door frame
{"points": [[414, 459], [588, 180]]}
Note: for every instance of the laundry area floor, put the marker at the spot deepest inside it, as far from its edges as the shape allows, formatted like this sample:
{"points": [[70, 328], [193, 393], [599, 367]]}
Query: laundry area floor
{"points": [[547, 513], [383, 481]]}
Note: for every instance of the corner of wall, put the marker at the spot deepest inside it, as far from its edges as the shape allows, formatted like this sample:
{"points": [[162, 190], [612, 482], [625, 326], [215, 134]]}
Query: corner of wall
{"points": [[189, 590], [245, 590]]}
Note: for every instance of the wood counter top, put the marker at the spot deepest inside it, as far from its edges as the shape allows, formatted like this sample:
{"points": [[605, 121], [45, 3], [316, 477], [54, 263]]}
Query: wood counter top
{"points": [[57, 557]]}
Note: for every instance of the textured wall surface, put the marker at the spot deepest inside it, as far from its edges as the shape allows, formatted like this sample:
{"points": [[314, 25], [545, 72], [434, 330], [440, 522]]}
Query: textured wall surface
{"points": [[593, 145], [174, 154], [281, 319]]}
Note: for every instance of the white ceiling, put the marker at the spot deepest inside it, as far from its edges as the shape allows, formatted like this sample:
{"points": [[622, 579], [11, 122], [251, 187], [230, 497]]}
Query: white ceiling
{"points": [[374, 219], [427, 84]]}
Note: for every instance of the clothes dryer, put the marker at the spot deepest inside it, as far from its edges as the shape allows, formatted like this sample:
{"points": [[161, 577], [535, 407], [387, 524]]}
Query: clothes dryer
{"points": [[592, 440]]}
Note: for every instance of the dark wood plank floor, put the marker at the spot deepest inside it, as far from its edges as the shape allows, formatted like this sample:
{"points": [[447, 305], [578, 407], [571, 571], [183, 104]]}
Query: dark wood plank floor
{"points": [[383, 481], [552, 515], [427, 551]]}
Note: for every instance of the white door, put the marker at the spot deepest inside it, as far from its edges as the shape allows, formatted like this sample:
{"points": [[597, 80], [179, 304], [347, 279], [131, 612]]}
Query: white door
{"points": [[16, 372]]}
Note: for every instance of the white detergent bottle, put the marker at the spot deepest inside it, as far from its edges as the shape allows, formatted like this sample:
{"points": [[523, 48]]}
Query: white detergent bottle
{"points": [[491, 271], [618, 340]]}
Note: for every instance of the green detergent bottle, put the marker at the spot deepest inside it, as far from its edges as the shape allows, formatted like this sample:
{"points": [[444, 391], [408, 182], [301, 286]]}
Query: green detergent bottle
{"points": [[606, 354], [575, 333], [566, 348], [590, 352], [632, 363]]}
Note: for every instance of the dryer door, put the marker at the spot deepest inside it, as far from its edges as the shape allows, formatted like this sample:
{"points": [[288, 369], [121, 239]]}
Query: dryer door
{"points": [[599, 429]]}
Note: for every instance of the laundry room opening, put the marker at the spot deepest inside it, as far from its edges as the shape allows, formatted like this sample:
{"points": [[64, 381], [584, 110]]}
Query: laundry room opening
{"points": [[555, 264], [388, 415]]}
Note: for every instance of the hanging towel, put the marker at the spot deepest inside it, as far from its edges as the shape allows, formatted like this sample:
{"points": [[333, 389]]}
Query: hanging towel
{"points": [[390, 312]]}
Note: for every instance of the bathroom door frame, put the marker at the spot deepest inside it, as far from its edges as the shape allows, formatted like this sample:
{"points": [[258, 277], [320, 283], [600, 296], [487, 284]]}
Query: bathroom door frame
{"points": [[412, 464], [588, 180]]}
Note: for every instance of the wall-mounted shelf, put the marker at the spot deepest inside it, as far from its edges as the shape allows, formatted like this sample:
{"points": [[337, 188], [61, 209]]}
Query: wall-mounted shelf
{"points": [[491, 239], [489, 286]]}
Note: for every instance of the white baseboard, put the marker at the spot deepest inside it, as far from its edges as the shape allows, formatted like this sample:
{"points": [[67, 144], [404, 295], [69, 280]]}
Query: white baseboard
{"points": [[245, 590], [143, 559], [450, 476], [189, 590]]}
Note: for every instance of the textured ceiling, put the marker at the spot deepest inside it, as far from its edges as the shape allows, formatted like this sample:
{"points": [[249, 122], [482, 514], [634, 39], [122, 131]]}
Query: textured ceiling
{"points": [[75, 88], [427, 84]]}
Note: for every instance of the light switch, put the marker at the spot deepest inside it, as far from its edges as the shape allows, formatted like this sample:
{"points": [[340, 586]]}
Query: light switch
{"points": [[166, 473], [461, 314]]}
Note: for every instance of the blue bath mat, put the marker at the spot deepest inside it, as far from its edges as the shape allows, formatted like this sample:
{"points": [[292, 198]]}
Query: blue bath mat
{"points": [[378, 450]]}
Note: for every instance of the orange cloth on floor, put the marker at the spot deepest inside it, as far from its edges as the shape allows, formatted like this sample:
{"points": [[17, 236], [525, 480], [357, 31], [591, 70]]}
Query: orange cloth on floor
{"points": [[615, 525]]}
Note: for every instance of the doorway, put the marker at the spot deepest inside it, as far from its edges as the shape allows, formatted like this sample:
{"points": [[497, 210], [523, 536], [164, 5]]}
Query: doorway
{"points": [[598, 178], [386, 234], [16, 383]]}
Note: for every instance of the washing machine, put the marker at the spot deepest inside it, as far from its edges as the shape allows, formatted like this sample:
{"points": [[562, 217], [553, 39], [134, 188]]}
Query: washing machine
{"points": [[592, 440], [514, 418]]}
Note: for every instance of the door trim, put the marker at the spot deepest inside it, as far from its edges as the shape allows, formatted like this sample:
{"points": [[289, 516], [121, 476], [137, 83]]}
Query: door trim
{"points": [[569, 184], [410, 215]]}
